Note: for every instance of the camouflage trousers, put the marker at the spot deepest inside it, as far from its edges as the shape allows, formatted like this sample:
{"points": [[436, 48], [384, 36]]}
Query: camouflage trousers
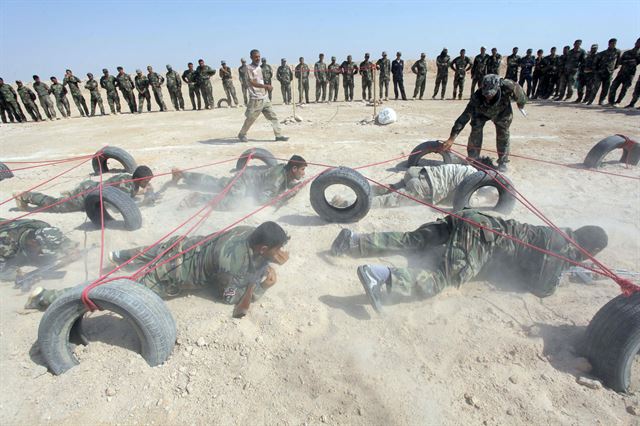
{"points": [[383, 87], [176, 98], [114, 101], [502, 122], [245, 92], [157, 94], [348, 90], [14, 108], [621, 79], [333, 89], [230, 91], [303, 89], [57, 204], [130, 98], [269, 92], [63, 106], [458, 85], [32, 110], [421, 84], [584, 82], [512, 74], [601, 80], [367, 84], [441, 79], [6, 112], [194, 92], [535, 84], [567, 81], [81, 104], [476, 80], [96, 99], [207, 93], [47, 107], [414, 183], [254, 109], [321, 90], [144, 96], [636, 94], [285, 89]]}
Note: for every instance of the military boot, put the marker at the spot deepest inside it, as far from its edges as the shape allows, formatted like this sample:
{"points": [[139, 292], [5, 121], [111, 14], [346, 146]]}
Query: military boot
{"points": [[372, 278]]}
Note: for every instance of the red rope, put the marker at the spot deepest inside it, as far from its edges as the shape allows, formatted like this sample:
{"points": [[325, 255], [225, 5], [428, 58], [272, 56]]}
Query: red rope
{"points": [[81, 157]]}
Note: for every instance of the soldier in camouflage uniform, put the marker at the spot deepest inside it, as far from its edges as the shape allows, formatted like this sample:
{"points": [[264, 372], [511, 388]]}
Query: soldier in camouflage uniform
{"points": [[562, 60], [60, 95], [174, 85], [302, 74], [367, 77], [333, 76], [479, 69], [94, 89], [10, 99], [267, 75], [536, 80], [30, 242], [636, 95], [526, 69], [443, 61], [320, 74], [585, 74], [575, 59], [244, 83], [256, 183], [190, 77], [227, 263], [126, 86], [628, 63], [5, 111], [227, 84], [43, 96], [491, 102], [156, 81], [126, 182], [348, 69], [73, 82], [397, 70], [419, 68], [142, 85], [513, 62], [384, 66], [606, 63], [471, 240], [284, 76], [549, 69], [28, 98], [460, 66], [109, 83], [203, 74], [494, 61]]}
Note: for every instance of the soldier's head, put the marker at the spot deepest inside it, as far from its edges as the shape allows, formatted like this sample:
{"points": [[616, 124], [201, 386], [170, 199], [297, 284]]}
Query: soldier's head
{"points": [[139, 71], [243, 60], [36, 79], [540, 52], [366, 56], [349, 58], [283, 61], [553, 50], [19, 83], [90, 76], [321, 57], [296, 167], [68, 72], [201, 62], [223, 63], [149, 68], [384, 55], [515, 50], [190, 66], [43, 241], [301, 59], [637, 45], [577, 44], [612, 43], [169, 67], [444, 52], [482, 50], [53, 80], [141, 176], [120, 70], [267, 240], [462, 52], [594, 48], [255, 56], [494, 51], [333, 59], [490, 86], [592, 238], [105, 71], [264, 60], [423, 55], [565, 49], [529, 52], [398, 55]]}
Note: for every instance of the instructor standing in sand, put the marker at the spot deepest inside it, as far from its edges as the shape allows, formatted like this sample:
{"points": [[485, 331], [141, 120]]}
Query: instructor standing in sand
{"points": [[258, 100]]}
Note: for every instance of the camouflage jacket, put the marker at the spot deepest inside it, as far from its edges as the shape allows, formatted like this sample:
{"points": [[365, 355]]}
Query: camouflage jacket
{"points": [[173, 80], [419, 67], [607, 61], [58, 90], [41, 89], [93, 88], [512, 63], [320, 71], [242, 74], [628, 62], [537, 69], [493, 64], [155, 79], [479, 68], [526, 65], [73, 83], [384, 65], [267, 73], [333, 71], [26, 95], [500, 104], [348, 69], [284, 74], [260, 184], [108, 83], [574, 60], [460, 66], [142, 83], [14, 250], [122, 181], [204, 73], [7, 93], [190, 77], [225, 73], [550, 64], [125, 83], [365, 70], [442, 63], [589, 64], [302, 72]]}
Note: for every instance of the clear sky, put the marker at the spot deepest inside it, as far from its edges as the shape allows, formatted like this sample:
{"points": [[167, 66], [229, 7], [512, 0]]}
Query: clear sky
{"points": [[46, 37]]}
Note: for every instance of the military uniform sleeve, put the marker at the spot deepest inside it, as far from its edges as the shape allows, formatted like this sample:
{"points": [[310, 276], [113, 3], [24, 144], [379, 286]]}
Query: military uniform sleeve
{"points": [[516, 92]]}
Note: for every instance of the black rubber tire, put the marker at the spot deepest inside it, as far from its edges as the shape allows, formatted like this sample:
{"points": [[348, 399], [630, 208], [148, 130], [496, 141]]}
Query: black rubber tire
{"points": [[426, 148], [470, 184], [141, 307], [258, 154], [115, 153], [341, 176], [118, 199], [630, 155], [613, 341], [5, 172], [223, 101]]}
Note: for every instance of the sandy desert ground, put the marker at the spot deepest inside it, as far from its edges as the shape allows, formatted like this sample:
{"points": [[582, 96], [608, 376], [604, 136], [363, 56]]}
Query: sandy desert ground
{"points": [[312, 351]]}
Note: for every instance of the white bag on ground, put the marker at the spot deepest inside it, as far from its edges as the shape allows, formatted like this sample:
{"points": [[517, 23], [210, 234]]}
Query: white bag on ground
{"points": [[386, 116]]}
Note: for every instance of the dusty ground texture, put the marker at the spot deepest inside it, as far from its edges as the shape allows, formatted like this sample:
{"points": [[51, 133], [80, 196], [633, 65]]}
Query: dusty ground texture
{"points": [[313, 351]]}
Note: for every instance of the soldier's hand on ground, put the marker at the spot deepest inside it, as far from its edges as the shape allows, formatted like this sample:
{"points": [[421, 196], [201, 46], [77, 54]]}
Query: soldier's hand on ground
{"points": [[281, 257], [270, 278]]}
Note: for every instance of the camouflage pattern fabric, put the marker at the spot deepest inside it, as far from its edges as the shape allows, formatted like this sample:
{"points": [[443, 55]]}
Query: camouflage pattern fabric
{"points": [[628, 64], [302, 74], [174, 85], [420, 69], [227, 84], [493, 64], [60, 95], [126, 85], [109, 83], [585, 76], [5, 112], [442, 76], [203, 74], [45, 101], [10, 99], [142, 85], [320, 73], [96, 98], [333, 76], [349, 69], [156, 81], [27, 96], [513, 61], [73, 83], [460, 66], [267, 76], [572, 63], [284, 76], [526, 73], [367, 79], [190, 77], [606, 63], [478, 70], [384, 67]]}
